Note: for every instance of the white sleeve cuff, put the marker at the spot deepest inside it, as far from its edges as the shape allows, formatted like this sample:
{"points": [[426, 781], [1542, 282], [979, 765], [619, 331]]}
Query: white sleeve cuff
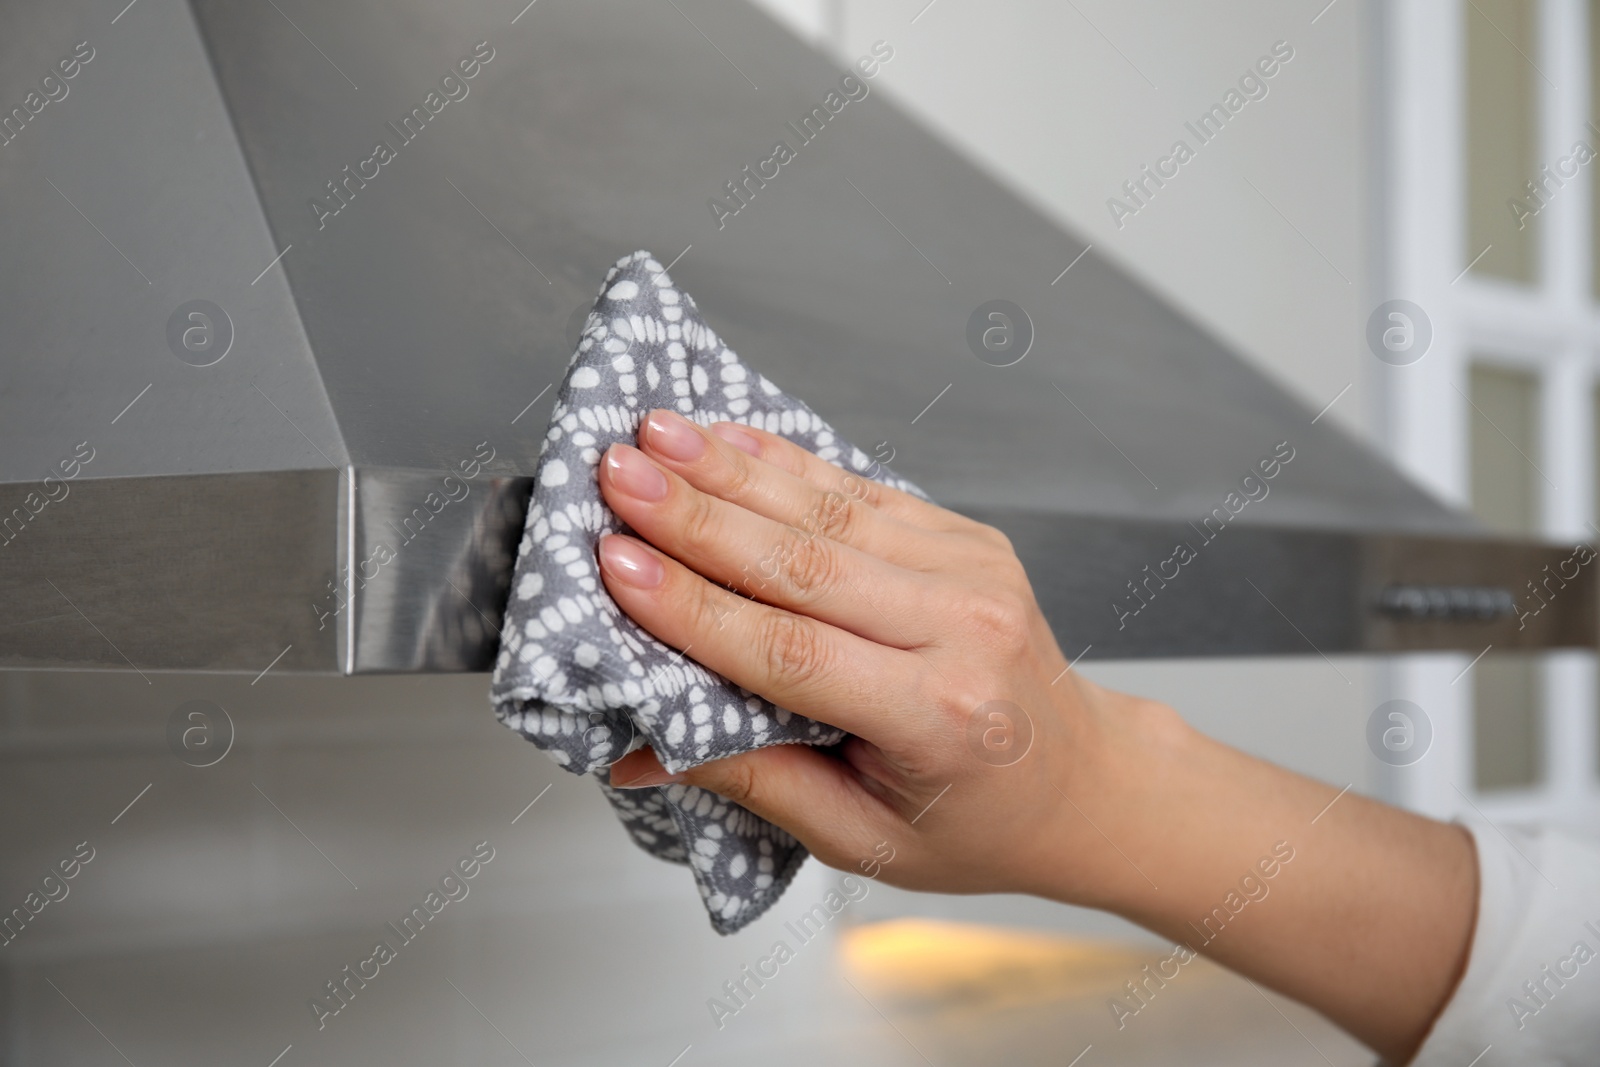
{"points": [[1531, 992]]}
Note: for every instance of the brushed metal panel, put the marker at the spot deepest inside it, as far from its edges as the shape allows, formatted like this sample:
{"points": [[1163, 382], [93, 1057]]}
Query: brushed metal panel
{"points": [[1263, 590], [439, 549], [142, 146], [1082, 569], [187, 572]]}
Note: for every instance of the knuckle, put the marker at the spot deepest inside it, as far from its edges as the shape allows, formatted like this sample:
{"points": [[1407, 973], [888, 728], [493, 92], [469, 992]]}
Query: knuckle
{"points": [[793, 651], [997, 619], [837, 517], [864, 490], [957, 702], [734, 481], [701, 525], [733, 779], [712, 608], [813, 566]]}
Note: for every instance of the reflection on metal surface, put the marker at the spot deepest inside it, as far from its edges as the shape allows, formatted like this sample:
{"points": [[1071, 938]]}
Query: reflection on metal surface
{"points": [[437, 604], [929, 964], [960, 993]]}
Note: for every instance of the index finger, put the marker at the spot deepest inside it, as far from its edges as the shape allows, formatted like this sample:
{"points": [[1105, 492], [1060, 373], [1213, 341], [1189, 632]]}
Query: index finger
{"points": [[786, 455], [797, 662]]}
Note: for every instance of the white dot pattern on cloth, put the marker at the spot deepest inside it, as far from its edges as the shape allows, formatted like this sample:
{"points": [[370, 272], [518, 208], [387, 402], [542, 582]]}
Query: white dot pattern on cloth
{"points": [[579, 678]]}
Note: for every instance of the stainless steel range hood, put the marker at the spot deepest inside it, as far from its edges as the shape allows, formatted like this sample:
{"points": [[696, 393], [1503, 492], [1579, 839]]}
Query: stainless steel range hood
{"points": [[280, 347]]}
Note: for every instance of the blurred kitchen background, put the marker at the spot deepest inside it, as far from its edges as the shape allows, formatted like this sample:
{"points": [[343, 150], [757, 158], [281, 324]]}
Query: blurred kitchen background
{"points": [[1382, 164]]}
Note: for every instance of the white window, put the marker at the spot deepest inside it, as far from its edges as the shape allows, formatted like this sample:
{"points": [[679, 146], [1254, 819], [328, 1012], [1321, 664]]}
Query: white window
{"points": [[1488, 186]]}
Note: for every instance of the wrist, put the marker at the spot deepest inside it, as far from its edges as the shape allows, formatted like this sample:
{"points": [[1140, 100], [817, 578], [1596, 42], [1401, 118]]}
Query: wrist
{"points": [[1115, 759]]}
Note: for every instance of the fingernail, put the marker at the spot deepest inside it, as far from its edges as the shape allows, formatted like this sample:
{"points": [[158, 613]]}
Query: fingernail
{"points": [[674, 436], [630, 563], [654, 776], [634, 474], [739, 438]]}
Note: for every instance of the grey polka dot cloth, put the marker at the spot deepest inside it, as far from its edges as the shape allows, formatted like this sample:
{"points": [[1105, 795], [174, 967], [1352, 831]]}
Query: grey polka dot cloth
{"points": [[579, 678]]}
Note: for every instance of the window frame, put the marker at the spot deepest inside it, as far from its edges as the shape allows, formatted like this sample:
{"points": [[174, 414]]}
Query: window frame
{"points": [[1551, 329]]}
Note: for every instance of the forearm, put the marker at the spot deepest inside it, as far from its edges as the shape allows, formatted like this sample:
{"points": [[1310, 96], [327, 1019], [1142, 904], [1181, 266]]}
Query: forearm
{"points": [[1360, 910]]}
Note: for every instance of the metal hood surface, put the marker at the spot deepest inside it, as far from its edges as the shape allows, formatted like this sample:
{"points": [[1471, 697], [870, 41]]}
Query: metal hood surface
{"points": [[286, 282]]}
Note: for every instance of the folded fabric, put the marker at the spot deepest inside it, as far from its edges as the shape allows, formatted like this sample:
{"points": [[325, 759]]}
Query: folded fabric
{"points": [[579, 678]]}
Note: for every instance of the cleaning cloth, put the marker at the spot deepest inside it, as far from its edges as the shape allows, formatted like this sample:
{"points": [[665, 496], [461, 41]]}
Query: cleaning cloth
{"points": [[579, 678]]}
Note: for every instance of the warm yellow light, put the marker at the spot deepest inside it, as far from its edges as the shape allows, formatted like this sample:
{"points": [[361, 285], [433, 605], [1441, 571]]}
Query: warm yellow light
{"points": [[936, 961]]}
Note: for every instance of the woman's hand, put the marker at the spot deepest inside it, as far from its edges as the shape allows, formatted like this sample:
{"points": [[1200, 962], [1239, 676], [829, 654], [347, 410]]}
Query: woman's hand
{"points": [[911, 627], [981, 763]]}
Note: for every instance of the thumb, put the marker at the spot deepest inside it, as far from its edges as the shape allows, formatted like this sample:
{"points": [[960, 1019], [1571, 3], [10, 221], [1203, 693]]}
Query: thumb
{"points": [[808, 793]]}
